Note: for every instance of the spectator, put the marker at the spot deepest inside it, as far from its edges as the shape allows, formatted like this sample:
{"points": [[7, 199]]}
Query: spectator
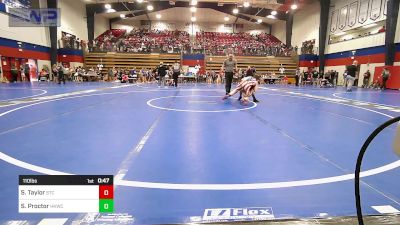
{"points": [[27, 71], [297, 77], [351, 75], [385, 77], [367, 75], [60, 71], [22, 70], [14, 74], [176, 72], [162, 71]]}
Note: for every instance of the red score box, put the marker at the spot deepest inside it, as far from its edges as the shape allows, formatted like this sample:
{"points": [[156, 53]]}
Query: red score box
{"points": [[106, 192]]}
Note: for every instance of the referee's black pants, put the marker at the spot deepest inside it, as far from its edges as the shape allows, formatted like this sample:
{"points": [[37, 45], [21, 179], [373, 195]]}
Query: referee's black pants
{"points": [[175, 77], [228, 81]]}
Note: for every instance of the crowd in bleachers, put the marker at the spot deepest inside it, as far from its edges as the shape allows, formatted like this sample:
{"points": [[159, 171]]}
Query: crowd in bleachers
{"points": [[107, 41], [69, 41], [141, 41], [308, 47], [147, 41], [239, 44], [155, 40]]}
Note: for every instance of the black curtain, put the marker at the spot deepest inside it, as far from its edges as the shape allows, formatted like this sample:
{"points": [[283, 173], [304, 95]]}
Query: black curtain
{"points": [[391, 23]]}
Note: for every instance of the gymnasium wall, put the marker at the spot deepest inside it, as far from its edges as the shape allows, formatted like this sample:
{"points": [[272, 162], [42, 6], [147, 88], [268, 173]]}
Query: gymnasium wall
{"points": [[342, 20], [34, 42], [34, 35], [369, 50], [368, 58], [73, 19], [350, 14], [279, 30], [364, 42], [306, 25], [101, 24]]}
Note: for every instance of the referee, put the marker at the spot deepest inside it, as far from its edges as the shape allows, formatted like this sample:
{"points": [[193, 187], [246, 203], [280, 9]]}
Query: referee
{"points": [[229, 67]]}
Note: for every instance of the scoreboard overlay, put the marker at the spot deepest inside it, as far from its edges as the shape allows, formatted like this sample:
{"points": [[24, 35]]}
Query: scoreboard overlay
{"points": [[66, 194]]}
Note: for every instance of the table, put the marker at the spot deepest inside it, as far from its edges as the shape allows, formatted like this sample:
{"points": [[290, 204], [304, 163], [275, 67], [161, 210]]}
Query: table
{"points": [[182, 78], [91, 76]]}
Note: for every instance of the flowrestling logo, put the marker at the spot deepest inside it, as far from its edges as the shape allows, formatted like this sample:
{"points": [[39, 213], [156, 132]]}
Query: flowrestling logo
{"points": [[230, 214], [46, 17]]}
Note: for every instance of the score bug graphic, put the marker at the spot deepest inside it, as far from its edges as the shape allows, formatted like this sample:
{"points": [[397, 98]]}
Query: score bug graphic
{"points": [[66, 194]]}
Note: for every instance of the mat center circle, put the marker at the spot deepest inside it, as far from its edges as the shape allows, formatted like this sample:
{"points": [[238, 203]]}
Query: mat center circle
{"points": [[199, 103]]}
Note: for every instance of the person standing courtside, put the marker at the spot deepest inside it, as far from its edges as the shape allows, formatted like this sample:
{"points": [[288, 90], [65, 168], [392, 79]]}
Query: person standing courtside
{"points": [[229, 67], [61, 76], [162, 71], [351, 74], [367, 75], [177, 70], [297, 76], [385, 77]]}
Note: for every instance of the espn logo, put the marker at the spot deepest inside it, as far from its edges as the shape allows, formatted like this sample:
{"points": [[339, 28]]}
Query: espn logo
{"points": [[254, 213]]}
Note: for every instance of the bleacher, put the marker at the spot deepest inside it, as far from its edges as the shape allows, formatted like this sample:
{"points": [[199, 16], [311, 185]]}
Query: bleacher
{"points": [[240, 43], [124, 60], [116, 33], [264, 64], [215, 43]]}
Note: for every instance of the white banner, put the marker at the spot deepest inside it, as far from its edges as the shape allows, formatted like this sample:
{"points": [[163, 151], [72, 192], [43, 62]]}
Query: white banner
{"points": [[385, 7], [376, 6], [334, 20], [363, 11], [343, 17], [353, 13]]}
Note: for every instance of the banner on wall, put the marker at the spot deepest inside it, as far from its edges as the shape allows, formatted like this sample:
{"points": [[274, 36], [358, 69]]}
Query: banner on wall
{"points": [[376, 6], [385, 7], [343, 17], [363, 11], [353, 13], [334, 20]]}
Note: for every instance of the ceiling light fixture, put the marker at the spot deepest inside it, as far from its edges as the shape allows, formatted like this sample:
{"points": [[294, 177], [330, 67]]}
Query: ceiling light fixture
{"points": [[226, 18], [193, 9], [193, 19], [158, 16], [235, 11], [107, 6], [246, 4], [150, 7], [273, 12]]}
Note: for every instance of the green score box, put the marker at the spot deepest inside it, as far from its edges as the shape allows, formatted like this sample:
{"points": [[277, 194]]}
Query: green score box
{"points": [[106, 205]]}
